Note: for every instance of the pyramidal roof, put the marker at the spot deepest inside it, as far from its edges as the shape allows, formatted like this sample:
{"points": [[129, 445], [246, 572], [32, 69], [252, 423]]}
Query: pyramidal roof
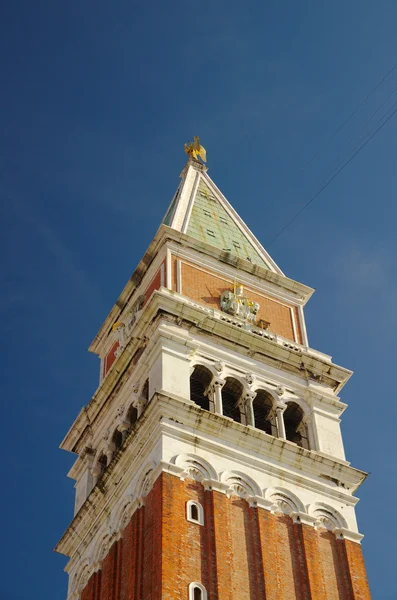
{"points": [[200, 210]]}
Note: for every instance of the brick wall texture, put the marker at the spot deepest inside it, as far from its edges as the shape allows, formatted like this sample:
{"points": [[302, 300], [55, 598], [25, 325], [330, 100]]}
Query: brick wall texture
{"points": [[154, 284], [206, 288], [110, 358], [240, 553]]}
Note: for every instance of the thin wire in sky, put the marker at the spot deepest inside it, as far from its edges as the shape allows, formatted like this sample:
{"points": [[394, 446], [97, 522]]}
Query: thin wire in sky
{"points": [[325, 144], [355, 111], [364, 125], [361, 136], [333, 176]]}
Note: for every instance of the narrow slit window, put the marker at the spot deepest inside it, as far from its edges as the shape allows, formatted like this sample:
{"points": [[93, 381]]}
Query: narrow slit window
{"points": [[195, 512], [210, 233], [207, 213], [223, 220], [236, 245], [197, 592]]}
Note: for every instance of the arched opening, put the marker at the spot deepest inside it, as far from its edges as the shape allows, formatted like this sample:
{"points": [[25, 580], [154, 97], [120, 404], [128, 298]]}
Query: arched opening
{"points": [[103, 463], [117, 439], [194, 514], [132, 415], [145, 390], [263, 413], [200, 379], [231, 394], [295, 428], [197, 594]]}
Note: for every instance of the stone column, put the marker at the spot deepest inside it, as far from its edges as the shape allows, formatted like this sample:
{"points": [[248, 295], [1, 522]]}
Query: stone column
{"points": [[84, 480], [217, 385], [280, 408], [109, 453], [248, 399], [123, 425], [95, 472], [209, 392]]}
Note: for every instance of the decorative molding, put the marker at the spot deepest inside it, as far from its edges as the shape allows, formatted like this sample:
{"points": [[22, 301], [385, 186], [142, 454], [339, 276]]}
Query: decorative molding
{"points": [[123, 514], [347, 534], [195, 467], [219, 366], [326, 516], [240, 484], [250, 378], [145, 482], [284, 501]]}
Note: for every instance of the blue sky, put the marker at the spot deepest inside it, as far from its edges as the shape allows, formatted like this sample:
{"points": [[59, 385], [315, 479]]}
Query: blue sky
{"points": [[97, 100]]}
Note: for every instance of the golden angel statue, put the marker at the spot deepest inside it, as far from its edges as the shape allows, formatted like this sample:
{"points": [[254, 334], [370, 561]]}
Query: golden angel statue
{"points": [[195, 149]]}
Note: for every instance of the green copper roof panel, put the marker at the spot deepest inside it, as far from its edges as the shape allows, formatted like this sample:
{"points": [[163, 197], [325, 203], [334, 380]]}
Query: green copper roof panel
{"points": [[210, 223]]}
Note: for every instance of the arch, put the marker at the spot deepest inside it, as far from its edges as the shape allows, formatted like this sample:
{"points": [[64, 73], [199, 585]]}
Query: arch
{"points": [[117, 439], [231, 393], [240, 484], [123, 513], [200, 380], [260, 385], [145, 481], [103, 462], [102, 548], [284, 501], [214, 369], [326, 516], [132, 415], [195, 467], [264, 415], [194, 512], [197, 591], [295, 427], [82, 576]]}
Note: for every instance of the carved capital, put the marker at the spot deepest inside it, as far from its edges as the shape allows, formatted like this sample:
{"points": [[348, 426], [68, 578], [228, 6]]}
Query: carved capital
{"points": [[218, 383], [248, 397], [96, 470], [123, 426], [110, 449]]}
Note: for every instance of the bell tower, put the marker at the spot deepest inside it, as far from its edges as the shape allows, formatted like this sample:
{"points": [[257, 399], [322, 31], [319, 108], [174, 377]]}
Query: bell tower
{"points": [[209, 461]]}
